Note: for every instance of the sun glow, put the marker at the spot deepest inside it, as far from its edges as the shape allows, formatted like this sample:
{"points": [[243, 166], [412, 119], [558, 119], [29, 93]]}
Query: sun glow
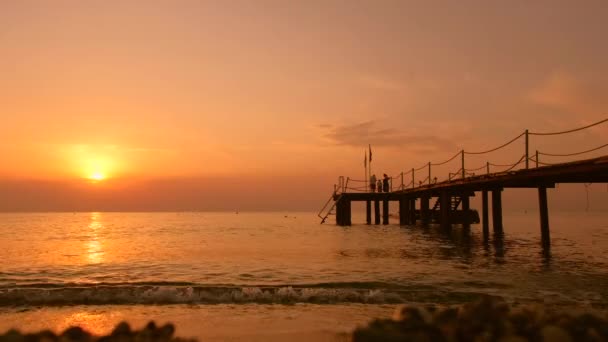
{"points": [[95, 163], [97, 176]]}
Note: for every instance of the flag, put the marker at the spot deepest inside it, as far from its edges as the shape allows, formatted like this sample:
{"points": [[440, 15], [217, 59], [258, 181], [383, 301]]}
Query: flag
{"points": [[370, 153]]}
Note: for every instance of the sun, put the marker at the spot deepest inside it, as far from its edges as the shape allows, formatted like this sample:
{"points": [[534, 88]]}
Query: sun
{"points": [[97, 176]]}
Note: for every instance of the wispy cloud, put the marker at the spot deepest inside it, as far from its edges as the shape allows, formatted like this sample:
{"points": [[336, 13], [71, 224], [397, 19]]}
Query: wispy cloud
{"points": [[371, 132], [572, 95]]}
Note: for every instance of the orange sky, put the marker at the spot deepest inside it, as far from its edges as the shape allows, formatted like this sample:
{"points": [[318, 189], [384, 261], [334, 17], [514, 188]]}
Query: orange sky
{"points": [[257, 100]]}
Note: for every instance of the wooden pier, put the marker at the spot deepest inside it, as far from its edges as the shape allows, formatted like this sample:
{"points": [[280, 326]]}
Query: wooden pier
{"points": [[447, 203], [451, 198]]}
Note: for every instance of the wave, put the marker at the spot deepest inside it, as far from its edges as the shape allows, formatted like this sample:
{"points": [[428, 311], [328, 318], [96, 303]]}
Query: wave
{"points": [[327, 293]]}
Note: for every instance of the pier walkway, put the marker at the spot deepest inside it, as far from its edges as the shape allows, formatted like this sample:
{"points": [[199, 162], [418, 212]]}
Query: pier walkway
{"points": [[450, 198]]}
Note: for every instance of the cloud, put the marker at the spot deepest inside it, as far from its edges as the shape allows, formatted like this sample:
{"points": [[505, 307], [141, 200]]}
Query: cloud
{"points": [[370, 132], [584, 97]]}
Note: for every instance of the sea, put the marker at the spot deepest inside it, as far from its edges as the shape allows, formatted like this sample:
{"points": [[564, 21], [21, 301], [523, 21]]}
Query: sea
{"points": [[272, 276]]}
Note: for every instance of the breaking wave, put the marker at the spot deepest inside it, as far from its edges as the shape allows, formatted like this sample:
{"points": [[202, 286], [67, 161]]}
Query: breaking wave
{"points": [[183, 293]]}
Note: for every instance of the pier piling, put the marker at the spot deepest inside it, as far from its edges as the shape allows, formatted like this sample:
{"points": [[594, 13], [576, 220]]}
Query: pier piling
{"points": [[368, 212], [444, 207], [424, 210], [385, 212], [403, 211], [339, 213], [348, 214], [544, 216], [412, 211], [465, 210], [497, 210], [376, 212], [485, 222]]}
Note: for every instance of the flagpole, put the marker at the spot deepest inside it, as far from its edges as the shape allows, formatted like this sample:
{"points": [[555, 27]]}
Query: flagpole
{"points": [[365, 177], [369, 175]]}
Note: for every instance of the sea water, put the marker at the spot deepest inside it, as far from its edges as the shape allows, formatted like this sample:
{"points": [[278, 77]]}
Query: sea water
{"points": [[265, 276]]}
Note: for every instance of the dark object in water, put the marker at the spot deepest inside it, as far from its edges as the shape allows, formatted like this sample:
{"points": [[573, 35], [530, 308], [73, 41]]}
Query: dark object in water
{"points": [[490, 319]]}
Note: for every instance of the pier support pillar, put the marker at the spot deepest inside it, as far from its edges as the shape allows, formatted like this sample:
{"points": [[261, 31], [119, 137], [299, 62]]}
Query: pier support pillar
{"points": [[485, 221], [424, 210], [343, 213], [385, 212], [445, 207], [465, 211], [497, 210], [413, 211], [404, 209], [347, 213], [339, 213], [544, 216], [376, 212], [368, 212]]}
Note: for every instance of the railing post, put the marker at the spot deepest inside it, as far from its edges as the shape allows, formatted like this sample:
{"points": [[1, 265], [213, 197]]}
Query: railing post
{"points": [[413, 184], [429, 173], [527, 156], [536, 158], [346, 185], [462, 157], [402, 181], [488, 167]]}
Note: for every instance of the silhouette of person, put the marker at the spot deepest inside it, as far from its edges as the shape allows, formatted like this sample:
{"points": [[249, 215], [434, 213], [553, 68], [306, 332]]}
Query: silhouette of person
{"points": [[385, 185], [379, 184], [372, 183]]}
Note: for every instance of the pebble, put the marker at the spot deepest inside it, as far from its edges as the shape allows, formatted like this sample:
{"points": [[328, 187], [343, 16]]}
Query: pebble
{"points": [[121, 333], [489, 319]]}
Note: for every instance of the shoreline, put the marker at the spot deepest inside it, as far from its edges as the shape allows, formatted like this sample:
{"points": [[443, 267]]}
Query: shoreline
{"points": [[278, 322]]}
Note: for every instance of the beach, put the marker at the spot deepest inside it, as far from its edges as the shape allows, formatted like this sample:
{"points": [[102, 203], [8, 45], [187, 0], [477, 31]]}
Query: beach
{"points": [[227, 276]]}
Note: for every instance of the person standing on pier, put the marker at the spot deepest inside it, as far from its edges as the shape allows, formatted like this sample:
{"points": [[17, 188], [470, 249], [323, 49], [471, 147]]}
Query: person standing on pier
{"points": [[379, 184], [385, 185], [372, 183]]}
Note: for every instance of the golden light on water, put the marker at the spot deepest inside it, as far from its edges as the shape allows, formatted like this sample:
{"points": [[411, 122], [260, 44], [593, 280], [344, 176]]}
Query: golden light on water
{"points": [[95, 251]]}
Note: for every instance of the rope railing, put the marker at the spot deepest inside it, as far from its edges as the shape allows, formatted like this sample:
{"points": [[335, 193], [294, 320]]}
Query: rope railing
{"points": [[397, 182], [506, 165], [499, 147], [541, 163], [569, 131], [512, 166], [572, 154], [479, 168], [444, 162], [457, 173]]}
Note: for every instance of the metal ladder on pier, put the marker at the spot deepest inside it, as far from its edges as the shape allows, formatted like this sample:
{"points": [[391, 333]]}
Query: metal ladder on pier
{"points": [[454, 203], [324, 213], [339, 188]]}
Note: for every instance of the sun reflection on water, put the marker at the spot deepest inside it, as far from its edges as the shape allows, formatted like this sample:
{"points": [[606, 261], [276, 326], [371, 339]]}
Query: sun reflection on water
{"points": [[95, 252]]}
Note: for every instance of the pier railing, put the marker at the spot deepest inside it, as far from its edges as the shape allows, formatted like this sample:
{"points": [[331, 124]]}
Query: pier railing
{"points": [[423, 175]]}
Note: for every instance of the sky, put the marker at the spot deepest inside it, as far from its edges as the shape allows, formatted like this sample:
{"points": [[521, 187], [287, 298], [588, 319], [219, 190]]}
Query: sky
{"points": [[261, 105]]}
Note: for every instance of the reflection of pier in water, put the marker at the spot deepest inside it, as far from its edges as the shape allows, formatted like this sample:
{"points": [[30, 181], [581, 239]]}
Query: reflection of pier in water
{"points": [[451, 197]]}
